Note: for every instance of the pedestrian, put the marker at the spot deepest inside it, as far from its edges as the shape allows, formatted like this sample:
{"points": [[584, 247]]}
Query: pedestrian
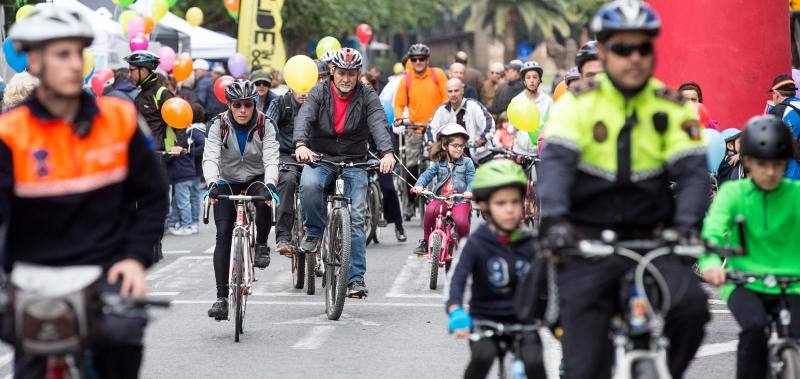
{"points": [[204, 89], [263, 81], [380, 79], [197, 142], [182, 172], [505, 134], [490, 85], [186, 90], [787, 108], [368, 80], [472, 77], [512, 87], [18, 89], [122, 87], [691, 92], [390, 90], [457, 71]]}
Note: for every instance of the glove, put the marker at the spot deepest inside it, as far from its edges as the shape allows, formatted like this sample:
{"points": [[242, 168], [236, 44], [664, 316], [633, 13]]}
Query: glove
{"points": [[459, 319], [271, 187], [399, 129], [688, 235], [213, 192], [557, 233]]}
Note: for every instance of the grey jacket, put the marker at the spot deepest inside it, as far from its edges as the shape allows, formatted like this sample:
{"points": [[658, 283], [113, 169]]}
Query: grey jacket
{"points": [[260, 157]]}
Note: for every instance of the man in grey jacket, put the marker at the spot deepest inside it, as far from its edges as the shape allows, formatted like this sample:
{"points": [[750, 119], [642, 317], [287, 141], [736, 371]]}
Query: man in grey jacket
{"points": [[241, 154], [336, 121]]}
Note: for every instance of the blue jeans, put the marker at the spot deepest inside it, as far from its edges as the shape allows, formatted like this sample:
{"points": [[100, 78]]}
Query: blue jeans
{"points": [[194, 199], [312, 186], [181, 211]]}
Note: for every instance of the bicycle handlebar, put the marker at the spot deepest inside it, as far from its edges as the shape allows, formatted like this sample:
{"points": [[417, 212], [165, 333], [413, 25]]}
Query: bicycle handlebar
{"points": [[242, 198], [434, 196], [770, 280], [364, 165], [509, 153]]}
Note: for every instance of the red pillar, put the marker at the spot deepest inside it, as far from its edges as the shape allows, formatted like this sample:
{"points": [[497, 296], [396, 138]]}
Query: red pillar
{"points": [[732, 48]]}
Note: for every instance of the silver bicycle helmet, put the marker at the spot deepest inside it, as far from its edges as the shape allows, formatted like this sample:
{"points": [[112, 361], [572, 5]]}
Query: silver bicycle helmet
{"points": [[531, 66], [49, 24], [419, 50], [625, 15], [347, 59], [240, 90]]}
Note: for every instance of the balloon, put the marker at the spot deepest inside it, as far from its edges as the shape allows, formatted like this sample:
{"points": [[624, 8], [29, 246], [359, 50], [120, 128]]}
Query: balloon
{"points": [[25, 11], [523, 114], [149, 24], [234, 15], [135, 26], [125, 3], [327, 44], [389, 110], [194, 16], [730, 132], [219, 87], [139, 42], [172, 3], [160, 8], [237, 65], [182, 68], [88, 63], [116, 2], [126, 17], [231, 5], [300, 73], [364, 33], [715, 151], [88, 77], [561, 89], [177, 113], [703, 114], [398, 68], [18, 60], [101, 79], [167, 58]]}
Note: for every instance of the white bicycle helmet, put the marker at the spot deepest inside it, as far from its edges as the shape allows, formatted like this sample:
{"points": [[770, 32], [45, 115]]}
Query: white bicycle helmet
{"points": [[452, 129], [347, 59], [47, 24]]}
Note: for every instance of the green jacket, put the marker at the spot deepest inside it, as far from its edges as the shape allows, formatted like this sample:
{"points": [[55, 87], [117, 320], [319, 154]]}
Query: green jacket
{"points": [[772, 228]]}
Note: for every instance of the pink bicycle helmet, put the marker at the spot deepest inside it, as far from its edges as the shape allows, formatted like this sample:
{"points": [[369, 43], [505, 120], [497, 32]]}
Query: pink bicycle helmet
{"points": [[452, 129]]}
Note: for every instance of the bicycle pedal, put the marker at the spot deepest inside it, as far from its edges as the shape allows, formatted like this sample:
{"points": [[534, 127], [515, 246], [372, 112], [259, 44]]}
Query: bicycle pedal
{"points": [[357, 295]]}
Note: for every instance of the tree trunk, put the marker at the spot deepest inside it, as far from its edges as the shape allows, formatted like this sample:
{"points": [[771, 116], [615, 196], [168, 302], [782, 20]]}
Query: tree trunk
{"points": [[510, 34]]}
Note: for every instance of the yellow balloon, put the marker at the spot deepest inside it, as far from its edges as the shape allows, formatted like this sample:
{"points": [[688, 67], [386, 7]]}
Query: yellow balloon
{"points": [[398, 68], [124, 17], [194, 16], [523, 114], [88, 62], [25, 11], [327, 44], [300, 73], [116, 2], [160, 8]]}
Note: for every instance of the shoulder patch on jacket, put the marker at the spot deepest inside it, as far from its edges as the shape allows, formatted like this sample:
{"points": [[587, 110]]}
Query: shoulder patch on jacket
{"points": [[583, 86], [670, 94]]}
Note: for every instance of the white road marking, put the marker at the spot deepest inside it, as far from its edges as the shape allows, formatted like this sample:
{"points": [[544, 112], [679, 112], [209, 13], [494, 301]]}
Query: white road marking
{"points": [[163, 294], [173, 266], [417, 296], [413, 280], [169, 252], [407, 274], [552, 352], [210, 250], [316, 303], [6, 359], [314, 338], [281, 294], [720, 311], [322, 319], [717, 348], [716, 302]]}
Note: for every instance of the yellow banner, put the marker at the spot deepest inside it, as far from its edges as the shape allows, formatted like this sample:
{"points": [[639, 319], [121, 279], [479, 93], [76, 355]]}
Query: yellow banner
{"points": [[260, 39]]}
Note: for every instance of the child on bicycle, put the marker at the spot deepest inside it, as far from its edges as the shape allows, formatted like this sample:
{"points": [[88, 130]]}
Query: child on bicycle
{"points": [[769, 204], [496, 256], [453, 172]]}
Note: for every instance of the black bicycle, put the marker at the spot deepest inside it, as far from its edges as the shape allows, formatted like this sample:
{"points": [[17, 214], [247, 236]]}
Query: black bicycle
{"points": [[374, 217], [508, 338], [303, 264], [336, 239]]}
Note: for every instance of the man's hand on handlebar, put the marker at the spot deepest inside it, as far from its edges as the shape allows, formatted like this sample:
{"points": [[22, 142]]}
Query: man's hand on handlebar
{"points": [[213, 192], [714, 276], [304, 154], [176, 150], [131, 271], [387, 163]]}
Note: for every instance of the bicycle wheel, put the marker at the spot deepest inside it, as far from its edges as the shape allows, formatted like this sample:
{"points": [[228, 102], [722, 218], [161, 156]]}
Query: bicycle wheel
{"points": [[311, 277], [337, 262], [790, 363], [298, 257], [373, 215], [435, 245], [644, 369], [237, 289]]}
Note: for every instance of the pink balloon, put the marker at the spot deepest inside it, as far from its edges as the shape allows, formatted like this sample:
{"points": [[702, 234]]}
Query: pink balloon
{"points": [[168, 57], [139, 42], [101, 79], [136, 25]]}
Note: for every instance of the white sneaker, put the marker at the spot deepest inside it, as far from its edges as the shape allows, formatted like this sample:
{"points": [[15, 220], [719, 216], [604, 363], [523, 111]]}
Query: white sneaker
{"points": [[172, 230], [195, 229], [184, 231]]}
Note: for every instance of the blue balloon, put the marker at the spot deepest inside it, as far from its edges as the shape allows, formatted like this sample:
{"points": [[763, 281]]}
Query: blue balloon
{"points": [[389, 111], [17, 60], [715, 151]]}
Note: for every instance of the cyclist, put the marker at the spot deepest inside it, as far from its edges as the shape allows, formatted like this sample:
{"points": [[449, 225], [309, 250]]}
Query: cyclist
{"points": [[336, 121], [496, 256], [467, 112], [151, 98], [241, 153], [769, 205], [589, 65], [78, 171], [531, 74], [323, 72], [453, 172], [613, 145]]}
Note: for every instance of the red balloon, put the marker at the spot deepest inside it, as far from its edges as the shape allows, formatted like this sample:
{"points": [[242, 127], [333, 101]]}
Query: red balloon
{"points": [[364, 33], [101, 78], [219, 87], [704, 114]]}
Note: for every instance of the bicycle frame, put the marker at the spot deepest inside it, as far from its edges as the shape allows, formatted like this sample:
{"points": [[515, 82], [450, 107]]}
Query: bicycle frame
{"points": [[445, 228], [242, 228]]}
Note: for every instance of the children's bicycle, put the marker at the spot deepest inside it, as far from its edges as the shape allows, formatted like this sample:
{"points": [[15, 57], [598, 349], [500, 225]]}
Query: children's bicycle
{"points": [[509, 340], [443, 241]]}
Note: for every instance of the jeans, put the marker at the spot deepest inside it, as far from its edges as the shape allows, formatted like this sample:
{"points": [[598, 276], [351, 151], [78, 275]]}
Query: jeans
{"points": [[460, 214], [181, 211], [313, 182], [391, 203], [287, 185], [194, 199]]}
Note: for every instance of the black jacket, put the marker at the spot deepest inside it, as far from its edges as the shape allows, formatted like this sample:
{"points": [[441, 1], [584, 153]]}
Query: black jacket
{"points": [[314, 124], [505, 93], [282, 112], [149, 104]]}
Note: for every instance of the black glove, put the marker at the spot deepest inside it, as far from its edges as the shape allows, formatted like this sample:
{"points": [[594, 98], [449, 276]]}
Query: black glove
{"points": [[557, 233], [213, 192], [688, 235]]}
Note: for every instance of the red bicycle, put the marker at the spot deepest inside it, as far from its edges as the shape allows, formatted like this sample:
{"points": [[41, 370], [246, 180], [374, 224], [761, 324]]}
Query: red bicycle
{"points": [[443, 241], [528, 163]]}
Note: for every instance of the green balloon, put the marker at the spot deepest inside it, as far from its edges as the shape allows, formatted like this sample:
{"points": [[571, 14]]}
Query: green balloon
{"points": [[125, 3], [327, 44]]}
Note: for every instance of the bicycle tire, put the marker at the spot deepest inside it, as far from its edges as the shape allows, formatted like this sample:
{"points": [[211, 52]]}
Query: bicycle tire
{"points": [[311, 277], [790, 363], [298, 269], [338, 256], [435, 244], [644, 369], [373, 197], [369, 217], [236, 291]]}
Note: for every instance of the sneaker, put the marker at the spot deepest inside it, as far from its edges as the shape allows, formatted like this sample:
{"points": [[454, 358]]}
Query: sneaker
{"points": [[309, 244], [400, 233], [319, 269], [172, 229], [195, 228], [357, 289], [219, 310], [422, 249], [284, 248], [262, 256], [182, 231]]}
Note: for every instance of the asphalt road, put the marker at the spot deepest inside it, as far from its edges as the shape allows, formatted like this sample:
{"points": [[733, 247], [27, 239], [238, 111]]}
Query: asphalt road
{"points": [[399, 331]]}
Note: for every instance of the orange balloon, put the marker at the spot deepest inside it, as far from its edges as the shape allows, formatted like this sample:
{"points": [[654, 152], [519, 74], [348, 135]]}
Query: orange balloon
{"points": [[561, 89], [149, 24], [182, 68], [177, 113], [232, 5]]}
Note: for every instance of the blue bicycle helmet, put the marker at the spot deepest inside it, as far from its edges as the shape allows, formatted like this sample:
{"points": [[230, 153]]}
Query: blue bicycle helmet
{"points": [[731, 134], [625, 15]]}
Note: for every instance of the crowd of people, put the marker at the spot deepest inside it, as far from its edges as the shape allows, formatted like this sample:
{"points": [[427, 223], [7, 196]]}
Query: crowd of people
{"points": [[619, 151]]}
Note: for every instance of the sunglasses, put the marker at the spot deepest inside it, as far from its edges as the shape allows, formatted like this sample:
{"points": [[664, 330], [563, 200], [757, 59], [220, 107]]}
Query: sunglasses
{"points": [[246, 104], [262, 83], [419, 59], [625, 50]]}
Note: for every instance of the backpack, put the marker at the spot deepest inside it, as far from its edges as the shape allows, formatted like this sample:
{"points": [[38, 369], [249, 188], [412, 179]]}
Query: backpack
{"points": [[261, 122], [780, 109], [435, 80]]}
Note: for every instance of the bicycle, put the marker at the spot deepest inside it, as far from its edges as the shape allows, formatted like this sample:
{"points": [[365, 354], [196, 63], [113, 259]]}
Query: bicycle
{"points": [[374, 217], [443, 241], [405, 197], [509, 339], [336, 238], [531, 202], [303, 265], [640, 350]]}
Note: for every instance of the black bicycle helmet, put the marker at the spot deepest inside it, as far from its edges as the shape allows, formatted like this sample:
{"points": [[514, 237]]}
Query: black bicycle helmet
{"points": [[625, 15], [419, 50], [240, 89], [767, 137], [586, 53], [531, 66], [49, 24], [143, 58], [347, 59]]}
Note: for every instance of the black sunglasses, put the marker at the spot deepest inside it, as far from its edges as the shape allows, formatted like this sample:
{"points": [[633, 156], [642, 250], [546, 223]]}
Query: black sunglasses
{"points": [[246, 104], [625, 49], [419, 59], [261, 83]]}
